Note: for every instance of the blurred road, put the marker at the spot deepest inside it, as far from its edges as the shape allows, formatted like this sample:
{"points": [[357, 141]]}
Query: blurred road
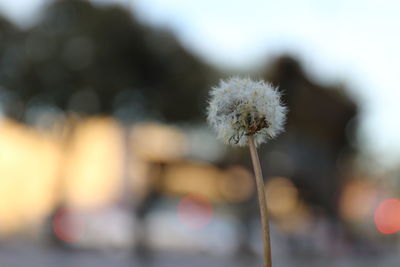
{"points": [[23, 254]]}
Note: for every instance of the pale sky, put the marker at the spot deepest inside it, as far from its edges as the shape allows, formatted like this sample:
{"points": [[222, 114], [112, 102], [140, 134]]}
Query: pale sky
{"points": [[352, 41]]}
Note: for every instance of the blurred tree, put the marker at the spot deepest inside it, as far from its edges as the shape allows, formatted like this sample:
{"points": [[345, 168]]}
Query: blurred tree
{"points": [[93, 60], [10, 66]]}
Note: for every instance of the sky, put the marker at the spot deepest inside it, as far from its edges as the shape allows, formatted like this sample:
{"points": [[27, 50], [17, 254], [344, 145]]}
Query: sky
{"points": [[354, 42]]}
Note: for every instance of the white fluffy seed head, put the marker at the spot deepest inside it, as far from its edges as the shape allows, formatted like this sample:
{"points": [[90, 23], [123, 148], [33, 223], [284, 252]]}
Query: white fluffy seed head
{"points": [[240, 107]]}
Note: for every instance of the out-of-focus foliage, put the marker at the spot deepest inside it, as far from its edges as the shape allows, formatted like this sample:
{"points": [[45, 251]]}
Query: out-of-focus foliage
{"points": [[94, 60]]}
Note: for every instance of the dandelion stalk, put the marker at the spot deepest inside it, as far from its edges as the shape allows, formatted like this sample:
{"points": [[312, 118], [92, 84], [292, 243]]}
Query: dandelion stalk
{"points": [[262, 201], [246, 112]]}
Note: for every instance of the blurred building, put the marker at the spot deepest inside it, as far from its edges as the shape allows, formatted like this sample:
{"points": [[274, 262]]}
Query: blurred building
{"points": [[316, 151]]}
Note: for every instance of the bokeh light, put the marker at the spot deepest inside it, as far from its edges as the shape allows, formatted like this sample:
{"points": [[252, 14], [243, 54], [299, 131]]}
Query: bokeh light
{"points": [[29, 167], [387, 216], [93, 164], [192, 178], [68, 226], [158, 142], [282, 196], [237, 184], [195, 211], [358, 200]]}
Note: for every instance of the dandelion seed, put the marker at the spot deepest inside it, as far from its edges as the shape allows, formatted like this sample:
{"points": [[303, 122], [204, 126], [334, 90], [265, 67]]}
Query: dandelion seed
{"points": [[240, 107]]}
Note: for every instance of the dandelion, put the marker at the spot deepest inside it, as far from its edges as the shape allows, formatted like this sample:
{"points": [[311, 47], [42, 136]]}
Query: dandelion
{"points": [[246, 112], [240, 108]]}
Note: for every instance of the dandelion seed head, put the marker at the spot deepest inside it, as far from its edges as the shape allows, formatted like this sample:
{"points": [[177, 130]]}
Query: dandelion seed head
{"points": [[240, 107]]}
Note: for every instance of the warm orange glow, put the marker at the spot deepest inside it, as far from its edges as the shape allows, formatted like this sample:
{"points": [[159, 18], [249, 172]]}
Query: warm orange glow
{"points": [[236, 184], [282, 196], [387, 216], [192, 178], [156, 142], [358, 200], [290, 213], [29, 169], [37, 170], [94, 164]]}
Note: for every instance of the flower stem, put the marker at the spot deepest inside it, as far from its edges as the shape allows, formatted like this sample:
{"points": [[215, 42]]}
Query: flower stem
{"points": [[262, 202]]}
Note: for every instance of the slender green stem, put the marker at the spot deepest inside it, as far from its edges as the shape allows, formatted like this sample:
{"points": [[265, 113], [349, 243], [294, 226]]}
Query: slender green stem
{"points": [[262, 202]]}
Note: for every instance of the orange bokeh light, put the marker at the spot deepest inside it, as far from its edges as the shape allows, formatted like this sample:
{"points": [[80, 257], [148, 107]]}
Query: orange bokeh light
{"points": [[387, 216], [93, 164]]}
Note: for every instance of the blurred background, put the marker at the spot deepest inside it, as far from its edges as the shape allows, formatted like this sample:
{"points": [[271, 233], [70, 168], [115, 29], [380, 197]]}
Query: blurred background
{"points": [[106, 159]]}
